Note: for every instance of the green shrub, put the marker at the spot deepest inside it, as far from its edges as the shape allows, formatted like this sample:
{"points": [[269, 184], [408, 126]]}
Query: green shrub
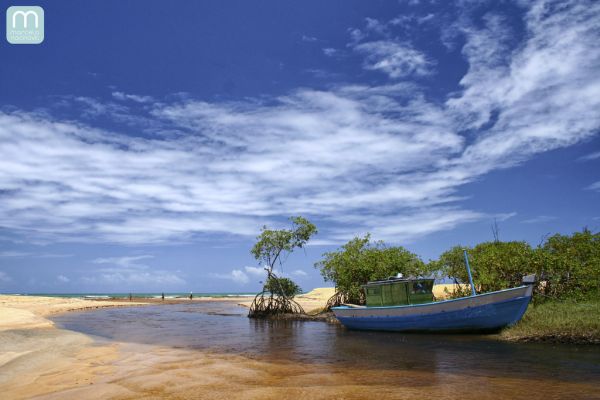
{"points": [[570, 265], [494, 265], [282, 287]]}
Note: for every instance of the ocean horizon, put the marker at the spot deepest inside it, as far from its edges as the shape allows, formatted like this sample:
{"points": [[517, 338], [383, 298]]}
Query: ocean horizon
{"points": [[138, 295]]}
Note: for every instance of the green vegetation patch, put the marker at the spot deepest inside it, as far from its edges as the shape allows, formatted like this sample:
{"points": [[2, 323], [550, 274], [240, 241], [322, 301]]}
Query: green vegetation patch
{"points": [[559, 322]]}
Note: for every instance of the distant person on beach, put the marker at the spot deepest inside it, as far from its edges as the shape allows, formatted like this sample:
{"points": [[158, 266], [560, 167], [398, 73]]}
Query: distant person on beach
{"points": [[129, 296], [191, 296], [163, 297]]}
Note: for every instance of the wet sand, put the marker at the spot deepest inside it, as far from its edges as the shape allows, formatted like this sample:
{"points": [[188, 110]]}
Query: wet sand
{"points": [[153, 372]]}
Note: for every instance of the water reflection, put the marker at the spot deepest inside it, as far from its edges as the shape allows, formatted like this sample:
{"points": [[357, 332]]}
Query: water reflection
{"points": [[222, 327]]}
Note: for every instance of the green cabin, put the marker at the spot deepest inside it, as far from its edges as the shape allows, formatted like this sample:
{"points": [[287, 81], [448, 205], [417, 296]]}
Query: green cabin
{"points": [[396, 291]]}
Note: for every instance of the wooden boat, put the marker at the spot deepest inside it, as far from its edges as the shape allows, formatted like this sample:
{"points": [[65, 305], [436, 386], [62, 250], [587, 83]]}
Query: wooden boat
{"points": [[406, 305]]}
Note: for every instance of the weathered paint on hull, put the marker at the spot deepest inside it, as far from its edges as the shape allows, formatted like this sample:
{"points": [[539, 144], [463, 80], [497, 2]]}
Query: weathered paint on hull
{"points": [[481, 313]]}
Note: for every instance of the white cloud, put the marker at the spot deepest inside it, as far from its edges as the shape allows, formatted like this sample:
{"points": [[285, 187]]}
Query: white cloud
{"points": [[376, 26], [120, 277], [17, 254], [125, 262], [241, 277], [385, 159], [330, 52], [591, 156], [594, 186], [356, 35], [63, 278], [255, 271], [129, 271], [4, 277], [540, 219], [299, 272], [306, 38], [132, 97], [397, 60], [22, 254], [237, 276]]}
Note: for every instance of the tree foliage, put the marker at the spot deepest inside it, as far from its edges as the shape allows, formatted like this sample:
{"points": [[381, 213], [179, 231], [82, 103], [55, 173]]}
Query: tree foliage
{"points": [[361, 260], [282, 287], [494, 265], [272, 247], [568, 266]]}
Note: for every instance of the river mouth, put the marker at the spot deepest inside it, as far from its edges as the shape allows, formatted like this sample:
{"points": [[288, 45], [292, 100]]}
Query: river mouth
{"points": [[223, 328]]}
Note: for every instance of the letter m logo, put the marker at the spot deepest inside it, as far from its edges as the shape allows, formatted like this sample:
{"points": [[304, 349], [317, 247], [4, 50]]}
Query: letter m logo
{"points": [[25, 25], [25, 15]]}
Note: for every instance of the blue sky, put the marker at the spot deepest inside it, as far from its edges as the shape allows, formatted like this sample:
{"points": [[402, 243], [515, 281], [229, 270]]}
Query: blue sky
{"points": [[144, 144]]}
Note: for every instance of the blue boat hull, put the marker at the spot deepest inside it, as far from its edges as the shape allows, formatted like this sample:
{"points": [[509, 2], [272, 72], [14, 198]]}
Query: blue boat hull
{"points": [[481, 313]]}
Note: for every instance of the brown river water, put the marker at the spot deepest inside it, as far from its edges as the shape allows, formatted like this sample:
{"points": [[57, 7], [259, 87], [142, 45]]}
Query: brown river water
{"points": [[212, 350]]}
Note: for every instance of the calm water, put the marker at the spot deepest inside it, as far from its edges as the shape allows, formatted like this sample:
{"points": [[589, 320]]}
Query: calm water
{"points": [[223, 327]]}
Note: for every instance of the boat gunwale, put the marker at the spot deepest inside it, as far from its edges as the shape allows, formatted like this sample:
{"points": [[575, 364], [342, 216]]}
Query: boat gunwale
{"points": [[432, 303]]}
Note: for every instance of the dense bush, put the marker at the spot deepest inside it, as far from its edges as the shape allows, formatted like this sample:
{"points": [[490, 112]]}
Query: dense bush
{"points": [[495, 265], [570, 265], [361, 260], [567, 266]]}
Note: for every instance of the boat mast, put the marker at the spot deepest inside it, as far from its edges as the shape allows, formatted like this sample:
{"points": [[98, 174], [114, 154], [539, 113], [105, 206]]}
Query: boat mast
{"points": [[470, 276]]}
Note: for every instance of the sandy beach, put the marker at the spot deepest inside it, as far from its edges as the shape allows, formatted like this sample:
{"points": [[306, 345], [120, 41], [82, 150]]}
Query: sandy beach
{"points": [[38, 359]]}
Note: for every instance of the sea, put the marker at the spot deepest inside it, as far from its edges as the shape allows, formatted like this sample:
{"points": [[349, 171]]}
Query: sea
{"points": [[148, 295]]}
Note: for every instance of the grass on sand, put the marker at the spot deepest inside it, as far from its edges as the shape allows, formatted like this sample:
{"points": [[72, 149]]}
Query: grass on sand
{"points": [[553, 321]]}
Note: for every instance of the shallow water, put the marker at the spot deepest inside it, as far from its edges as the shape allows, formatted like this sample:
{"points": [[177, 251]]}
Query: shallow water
{"points": [[224, 328]]}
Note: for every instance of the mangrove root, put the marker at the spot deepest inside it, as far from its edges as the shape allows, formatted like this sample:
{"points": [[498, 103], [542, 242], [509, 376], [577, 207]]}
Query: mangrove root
{"points": [[266, 304]]}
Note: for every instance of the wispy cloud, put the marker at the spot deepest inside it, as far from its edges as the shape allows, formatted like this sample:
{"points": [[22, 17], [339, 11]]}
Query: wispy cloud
{"points": [[237, 276], [17, 254], [255, 271], [242, 277], [251, 274], [132, 97], [128, 270], [381, 158], [23, 254], [330, 51], [590, 157], [125, 262], [4, 277], [539, 219], [397, 60], [307, 38], [594, 186]]}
